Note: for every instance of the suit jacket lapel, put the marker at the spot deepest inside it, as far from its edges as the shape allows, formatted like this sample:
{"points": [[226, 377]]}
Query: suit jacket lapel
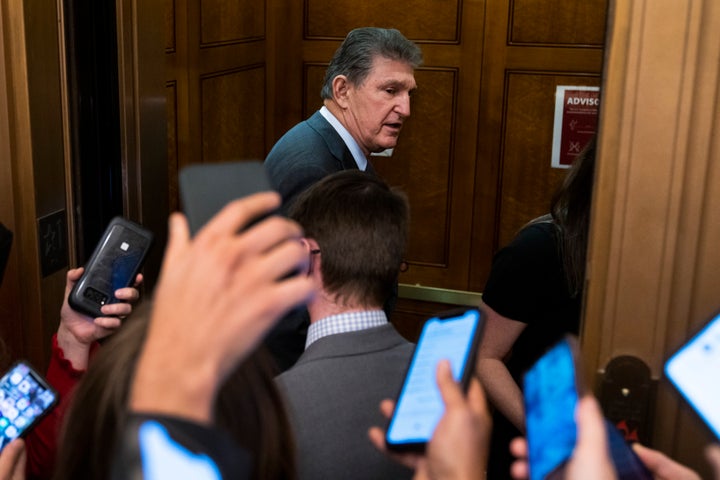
{"points": [[333, 140]]}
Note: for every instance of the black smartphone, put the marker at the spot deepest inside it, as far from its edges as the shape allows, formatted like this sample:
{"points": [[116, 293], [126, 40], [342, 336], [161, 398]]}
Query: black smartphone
{"points": [[114, 264], [452, 335], [690, 368], [205, 188], [552, 388], [25, 397]]}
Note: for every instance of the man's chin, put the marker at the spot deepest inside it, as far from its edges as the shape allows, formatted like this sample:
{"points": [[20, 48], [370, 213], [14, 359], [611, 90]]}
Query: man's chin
{"points": [[389, 142]]}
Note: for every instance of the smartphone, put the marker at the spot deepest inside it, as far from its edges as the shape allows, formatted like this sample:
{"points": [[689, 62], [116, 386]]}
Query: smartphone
{"points": [[552, 388], [454, 336], [114, 264], [25, 397], [205, 188], [690, 369]]}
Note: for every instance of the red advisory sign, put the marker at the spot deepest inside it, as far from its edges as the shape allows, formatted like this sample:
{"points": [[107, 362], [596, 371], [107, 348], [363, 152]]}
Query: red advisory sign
{"points": [[576, 117]]}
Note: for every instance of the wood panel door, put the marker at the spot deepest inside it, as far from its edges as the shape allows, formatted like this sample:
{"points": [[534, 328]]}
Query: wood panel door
{"points": [[531, 46], [434, 162], [216, 83], [474, 158]]}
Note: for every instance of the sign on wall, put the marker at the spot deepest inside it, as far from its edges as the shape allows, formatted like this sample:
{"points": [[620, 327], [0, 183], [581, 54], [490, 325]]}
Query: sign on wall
{"points": [[576, 118]]}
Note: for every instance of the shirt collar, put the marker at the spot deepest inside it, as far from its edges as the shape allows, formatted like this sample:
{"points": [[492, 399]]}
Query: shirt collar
{"points": [[352, 145], [343, 323]]}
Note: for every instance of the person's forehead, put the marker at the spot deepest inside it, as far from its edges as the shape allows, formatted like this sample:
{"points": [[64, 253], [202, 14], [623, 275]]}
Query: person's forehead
{"points": [[391, 70]]}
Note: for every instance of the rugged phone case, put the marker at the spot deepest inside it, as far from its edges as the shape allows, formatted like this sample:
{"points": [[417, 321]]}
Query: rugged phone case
{"points": [[114, 264]]}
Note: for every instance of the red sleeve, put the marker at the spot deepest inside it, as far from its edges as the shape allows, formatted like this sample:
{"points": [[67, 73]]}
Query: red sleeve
{"points": [[42, 440]]}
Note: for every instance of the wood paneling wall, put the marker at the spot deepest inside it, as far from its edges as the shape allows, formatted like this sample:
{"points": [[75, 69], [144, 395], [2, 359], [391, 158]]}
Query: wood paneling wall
{"points": [[530, 47], [474, 158], [33, 120], [216, 83]]}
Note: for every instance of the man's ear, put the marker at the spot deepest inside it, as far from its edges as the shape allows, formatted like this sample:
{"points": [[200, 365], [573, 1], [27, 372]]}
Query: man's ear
{"points": [[312, 248], [340, 87]]}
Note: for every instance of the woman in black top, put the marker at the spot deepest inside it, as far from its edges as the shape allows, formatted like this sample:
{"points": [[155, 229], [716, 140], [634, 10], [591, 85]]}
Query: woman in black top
{"points": [[531, 299]]}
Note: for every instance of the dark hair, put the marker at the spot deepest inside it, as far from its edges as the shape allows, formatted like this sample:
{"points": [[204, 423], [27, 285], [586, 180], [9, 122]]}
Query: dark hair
{"points": [[248, 406], [570, 210], [360, 224], [354, 58], [4, 355]]}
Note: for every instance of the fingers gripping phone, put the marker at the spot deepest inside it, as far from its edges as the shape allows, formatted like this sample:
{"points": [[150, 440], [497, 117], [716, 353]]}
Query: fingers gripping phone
{"points": [[552, 388], [453, 336], [25, 397], [205, 188], [114, 264], [690, 368]]}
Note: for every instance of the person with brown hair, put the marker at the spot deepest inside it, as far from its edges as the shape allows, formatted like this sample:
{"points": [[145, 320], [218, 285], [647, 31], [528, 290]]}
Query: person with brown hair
{"points": [[531, 299], [355, 234], [248, 407]]}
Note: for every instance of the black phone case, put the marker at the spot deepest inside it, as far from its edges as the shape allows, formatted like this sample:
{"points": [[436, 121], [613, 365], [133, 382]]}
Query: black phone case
{"points": [[464, 380], [207, 187], [114, 264]]}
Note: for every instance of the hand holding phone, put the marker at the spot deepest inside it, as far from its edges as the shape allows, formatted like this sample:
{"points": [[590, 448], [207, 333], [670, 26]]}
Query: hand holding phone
{"points": [[25, 397], [452, 336], [114, 264], [552, 388]]}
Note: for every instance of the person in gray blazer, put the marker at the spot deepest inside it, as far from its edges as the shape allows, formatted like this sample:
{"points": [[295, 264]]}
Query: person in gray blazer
{"points": [[366, 100], [355, 234]]}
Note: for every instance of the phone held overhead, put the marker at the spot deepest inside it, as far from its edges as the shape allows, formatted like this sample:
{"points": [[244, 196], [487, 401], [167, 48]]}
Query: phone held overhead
{"points": [[205, 188], [452, 336], [114, 264]]}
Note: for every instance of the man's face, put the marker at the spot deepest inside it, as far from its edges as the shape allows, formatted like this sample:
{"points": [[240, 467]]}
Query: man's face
{"points": [[377, 108]]}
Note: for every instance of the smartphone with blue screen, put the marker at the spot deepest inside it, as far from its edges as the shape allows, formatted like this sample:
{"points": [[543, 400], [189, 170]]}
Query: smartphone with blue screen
{"points": [[690, 368], [25, 398], [454, 336], [552, 388]]}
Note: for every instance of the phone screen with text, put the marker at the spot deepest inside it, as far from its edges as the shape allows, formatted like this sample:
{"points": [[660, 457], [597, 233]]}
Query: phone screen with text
{"points": [[420, 405]]}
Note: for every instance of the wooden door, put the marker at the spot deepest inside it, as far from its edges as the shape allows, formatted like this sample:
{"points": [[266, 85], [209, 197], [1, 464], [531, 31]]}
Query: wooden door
{"points": [[474, 158], [530, 47], [216, 83]]}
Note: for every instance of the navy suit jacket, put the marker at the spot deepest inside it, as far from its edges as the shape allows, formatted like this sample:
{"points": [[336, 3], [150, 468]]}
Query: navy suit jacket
{"points": [[309, 151], [333, 394]]}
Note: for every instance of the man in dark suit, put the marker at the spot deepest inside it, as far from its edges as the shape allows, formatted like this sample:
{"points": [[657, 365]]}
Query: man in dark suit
{"points": [[355, 233], [366, 100]]}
